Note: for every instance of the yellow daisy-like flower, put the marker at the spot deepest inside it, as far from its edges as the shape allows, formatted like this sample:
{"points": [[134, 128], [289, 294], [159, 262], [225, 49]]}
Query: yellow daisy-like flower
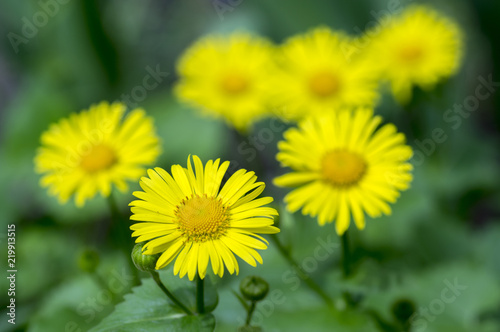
{"points": [[185, 215], [344, 166], [88, 152], [316, 75], [225, 76], [419, 46]]}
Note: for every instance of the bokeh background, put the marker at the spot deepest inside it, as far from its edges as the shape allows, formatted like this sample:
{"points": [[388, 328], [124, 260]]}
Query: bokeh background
{"points": [[445, 229]]}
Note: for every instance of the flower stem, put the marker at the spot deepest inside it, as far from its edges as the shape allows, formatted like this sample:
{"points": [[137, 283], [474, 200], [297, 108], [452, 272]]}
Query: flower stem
{"points": [[156, 278], [200, 295], [301, 273], [346, 255], [250, 311]]}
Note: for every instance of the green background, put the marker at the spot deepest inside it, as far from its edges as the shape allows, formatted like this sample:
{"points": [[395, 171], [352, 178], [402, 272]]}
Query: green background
{"points": [[444, 229]]}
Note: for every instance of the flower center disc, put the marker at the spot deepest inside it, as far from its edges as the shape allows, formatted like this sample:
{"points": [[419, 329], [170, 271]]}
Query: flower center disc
{"points": [[202, 218], [411, 54], [234, 84], [343, 168], [324, 84], [99, 158]]}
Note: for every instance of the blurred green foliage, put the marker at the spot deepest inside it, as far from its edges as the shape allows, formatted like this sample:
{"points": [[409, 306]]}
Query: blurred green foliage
{"points": [[444, 229]]}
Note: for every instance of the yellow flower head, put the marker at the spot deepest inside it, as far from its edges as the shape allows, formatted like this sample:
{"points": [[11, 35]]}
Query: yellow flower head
{"points": [[225, 76], [344, 166], [419, 46], [186, 215], [88, 152], [316, 74]]}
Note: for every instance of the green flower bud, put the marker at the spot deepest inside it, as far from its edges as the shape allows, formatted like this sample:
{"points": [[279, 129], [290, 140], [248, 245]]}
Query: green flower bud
{"points": [[88, 260], [145, 263], [254, 288]]}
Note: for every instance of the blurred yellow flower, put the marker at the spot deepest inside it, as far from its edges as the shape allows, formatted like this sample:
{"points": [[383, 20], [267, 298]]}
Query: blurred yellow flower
{"points": [[316, 75], [419, 46], [225, 76], [185, 215], [344, 166], [88, 152]]}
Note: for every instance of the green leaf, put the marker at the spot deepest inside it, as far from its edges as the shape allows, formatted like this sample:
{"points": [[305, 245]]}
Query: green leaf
{"points": [[147, 308]]}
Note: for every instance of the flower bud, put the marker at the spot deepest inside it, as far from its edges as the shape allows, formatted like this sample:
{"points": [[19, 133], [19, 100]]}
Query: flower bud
{"points": [[254, 288], [145, 263], [88, 260]]}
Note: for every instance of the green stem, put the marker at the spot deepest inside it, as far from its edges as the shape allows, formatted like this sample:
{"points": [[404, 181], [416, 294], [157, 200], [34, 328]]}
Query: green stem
{"points": [[156, 278], [250, 313], [115, 212], [302, 274], [200, 295], [346, 255], [242, 301]]}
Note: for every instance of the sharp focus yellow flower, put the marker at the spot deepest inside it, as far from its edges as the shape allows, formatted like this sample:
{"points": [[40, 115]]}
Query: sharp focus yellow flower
{"points": [[317, 75], [88, 152], [186, 215], [344, 166], [225, 76], [419, 46]]}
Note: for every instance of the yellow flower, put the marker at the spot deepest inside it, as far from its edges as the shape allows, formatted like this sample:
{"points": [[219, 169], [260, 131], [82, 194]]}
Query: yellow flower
{"points": [[344, 166], [317, 74], [186, 216], [88, 152], [225, 76], [419, 46]]}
